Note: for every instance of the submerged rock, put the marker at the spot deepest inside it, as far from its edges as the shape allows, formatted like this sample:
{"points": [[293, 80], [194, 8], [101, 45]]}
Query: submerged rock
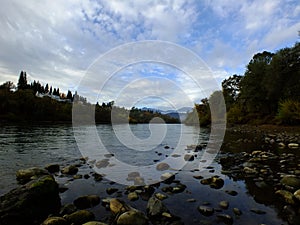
{"points": [[87, 201], [206, 210], [133, 196], [227, 219], [224, 204], [214, 182], [52, 168], [162, 166], [31, 202]]}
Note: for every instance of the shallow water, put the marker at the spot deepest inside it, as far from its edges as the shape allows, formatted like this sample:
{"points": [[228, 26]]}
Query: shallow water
{"points": [[27, 146]]}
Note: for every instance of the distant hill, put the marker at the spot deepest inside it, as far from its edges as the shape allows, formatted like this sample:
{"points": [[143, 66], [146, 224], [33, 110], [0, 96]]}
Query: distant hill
{"points": [[180, 114]]}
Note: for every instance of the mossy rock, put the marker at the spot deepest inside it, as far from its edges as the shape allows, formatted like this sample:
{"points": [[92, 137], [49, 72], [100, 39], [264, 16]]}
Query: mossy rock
{"points": [[291, 181], [55, 221], [25, 175], [80, 217], [31, 202]]}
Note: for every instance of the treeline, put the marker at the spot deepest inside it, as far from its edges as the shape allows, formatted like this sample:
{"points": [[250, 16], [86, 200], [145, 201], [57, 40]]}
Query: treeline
{"points": [[267, 93], [37, 103]]}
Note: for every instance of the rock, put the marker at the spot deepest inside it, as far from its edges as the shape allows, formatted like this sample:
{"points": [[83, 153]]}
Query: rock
{"points": [[292, 217], [178, 188], [281, 145], [102, 163], [70, 170], [237, 212], [189, 157], [139, 181], [80, 217], [94, 223], [286, 196], [98, 177], [231, 192], [297, 194], [133, 196], [67, 209], [132, 217], [31, 202], [55, 221], [205, 210], [249, 170], [155, 207], [25, 175], [167, 177], [258, 211], [118, 206], [87, 201], [293, 145], [224, 204], [214, 182], [77, 176], [291, 181], [162, 166], [160, 196], [191, 200], [227, 219], [198, 177], [52, 168], [111, 190]]}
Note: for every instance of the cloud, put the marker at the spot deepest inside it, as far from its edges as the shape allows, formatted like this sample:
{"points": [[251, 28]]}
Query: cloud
{"points": [[56, 42]]}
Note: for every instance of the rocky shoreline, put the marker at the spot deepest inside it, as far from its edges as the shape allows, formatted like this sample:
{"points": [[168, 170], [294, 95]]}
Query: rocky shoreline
{"points": [[271, 172]]}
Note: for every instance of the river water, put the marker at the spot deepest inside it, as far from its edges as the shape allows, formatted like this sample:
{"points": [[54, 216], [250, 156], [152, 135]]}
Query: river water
{"points": [[23, 146]]}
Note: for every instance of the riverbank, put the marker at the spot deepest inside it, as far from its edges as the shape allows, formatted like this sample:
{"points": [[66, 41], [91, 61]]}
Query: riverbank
{"points": [[253, 185]]}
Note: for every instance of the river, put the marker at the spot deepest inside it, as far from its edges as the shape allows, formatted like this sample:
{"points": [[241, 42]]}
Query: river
{"points": [[23, 146]]}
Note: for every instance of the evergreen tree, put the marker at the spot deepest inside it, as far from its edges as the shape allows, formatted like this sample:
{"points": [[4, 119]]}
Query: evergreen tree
{"points": [[69, 95], [46, 88], [22, 83]]}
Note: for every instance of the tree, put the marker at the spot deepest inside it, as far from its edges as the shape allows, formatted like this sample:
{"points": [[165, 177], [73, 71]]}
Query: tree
{"points": [[252, 91], [22, 83], [231, 89], [46, 88], [69, 95], [8, 85]]}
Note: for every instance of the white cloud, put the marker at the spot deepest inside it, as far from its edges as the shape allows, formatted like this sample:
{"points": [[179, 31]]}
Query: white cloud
{"points": [[55, 42]]}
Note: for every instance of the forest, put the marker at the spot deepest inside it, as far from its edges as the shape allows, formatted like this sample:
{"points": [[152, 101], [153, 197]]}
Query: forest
{"points": [[42, 103], [267, 93]]}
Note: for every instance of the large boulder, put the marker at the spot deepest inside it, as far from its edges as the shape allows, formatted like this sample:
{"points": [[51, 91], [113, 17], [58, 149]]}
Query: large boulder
{"points": [[30, 203]]}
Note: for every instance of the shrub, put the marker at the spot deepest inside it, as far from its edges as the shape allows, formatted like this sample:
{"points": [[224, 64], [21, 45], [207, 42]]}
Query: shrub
{"points": [[289, 112]]}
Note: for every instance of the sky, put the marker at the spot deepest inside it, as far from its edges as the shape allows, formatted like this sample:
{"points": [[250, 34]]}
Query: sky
{"points": [[63, 42]]}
